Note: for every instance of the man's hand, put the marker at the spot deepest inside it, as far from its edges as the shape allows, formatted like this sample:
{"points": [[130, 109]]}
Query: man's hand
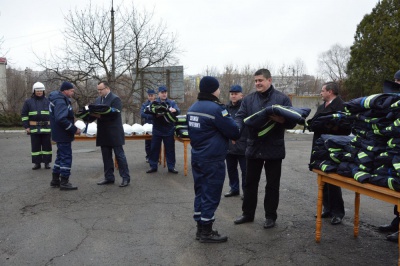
{"points": [[28, 130], [78, 131], [278, 119], [172, 110]]}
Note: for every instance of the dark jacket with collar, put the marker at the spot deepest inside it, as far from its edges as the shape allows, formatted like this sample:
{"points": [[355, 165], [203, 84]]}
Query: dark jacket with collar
{"points": [[110, 131], [148, 118], [239, 148], [61, 118], [210, 127], [272, 145]]}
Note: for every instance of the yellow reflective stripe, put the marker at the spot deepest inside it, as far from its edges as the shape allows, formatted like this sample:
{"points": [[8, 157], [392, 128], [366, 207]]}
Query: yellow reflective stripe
{"points": [[324, 166], [34, 130], [362, 155], [332, 155], [265, 131], [390, 185], [33, 113], [358, 175], [390, 144], [45, 130], [47, 152], [244, 120], [396, 166], [368, 100], [286, 109], [44, 112], [24, 118], [334, 150], [36, 153]]}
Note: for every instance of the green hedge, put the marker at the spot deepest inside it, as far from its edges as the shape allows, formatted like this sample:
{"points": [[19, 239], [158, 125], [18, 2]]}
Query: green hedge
{"points": [[10, 120]]}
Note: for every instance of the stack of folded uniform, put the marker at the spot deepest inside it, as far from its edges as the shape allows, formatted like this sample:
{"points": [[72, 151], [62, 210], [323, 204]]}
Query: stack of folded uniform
{"points": [[181, 127], [157, 108]]}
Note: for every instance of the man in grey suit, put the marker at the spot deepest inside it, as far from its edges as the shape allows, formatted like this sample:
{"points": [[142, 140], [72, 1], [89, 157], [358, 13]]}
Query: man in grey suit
{"points": [[110, 136]]}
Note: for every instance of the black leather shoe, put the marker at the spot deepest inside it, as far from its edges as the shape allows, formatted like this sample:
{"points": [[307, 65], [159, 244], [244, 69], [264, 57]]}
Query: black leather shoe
{"points": [[393, 237], [151, 170], [388, 228], [174, 171], [105, 182], [336, 220], [124, 183], [244, 219], [36, 166], [232, 194], [269, 223], [47, 165], [326, 215]]}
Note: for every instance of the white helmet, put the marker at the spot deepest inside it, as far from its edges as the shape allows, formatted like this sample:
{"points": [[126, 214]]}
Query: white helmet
{"points": [[38, 86], [127, 130], [91, 130], [138, 129], [148, 128], [80, 124]]}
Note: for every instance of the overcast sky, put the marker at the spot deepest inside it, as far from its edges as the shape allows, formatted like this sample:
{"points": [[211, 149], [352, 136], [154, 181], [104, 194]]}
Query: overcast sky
{"points": [[212, 33]]}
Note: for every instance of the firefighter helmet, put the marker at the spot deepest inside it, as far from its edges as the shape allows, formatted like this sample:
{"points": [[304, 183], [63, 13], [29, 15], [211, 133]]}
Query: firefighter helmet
{"points": [[148, 128], [38, 86], [91, 130], [80, 124], [138, 129], [127, 130]]}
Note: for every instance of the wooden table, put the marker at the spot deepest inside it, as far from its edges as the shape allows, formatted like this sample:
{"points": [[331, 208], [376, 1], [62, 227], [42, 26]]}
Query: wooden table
{"points": [[185, 142], [373, 191]]}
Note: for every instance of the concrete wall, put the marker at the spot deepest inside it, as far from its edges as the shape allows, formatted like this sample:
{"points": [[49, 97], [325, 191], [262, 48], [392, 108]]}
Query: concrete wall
{"points": [[307, 101], [3, 81]]}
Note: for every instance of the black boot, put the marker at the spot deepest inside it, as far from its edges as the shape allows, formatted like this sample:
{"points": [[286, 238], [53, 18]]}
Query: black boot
{"points": [[65, 185], [36, 166], [55, 182], [47, 166], [208, 235], [200, 229]]}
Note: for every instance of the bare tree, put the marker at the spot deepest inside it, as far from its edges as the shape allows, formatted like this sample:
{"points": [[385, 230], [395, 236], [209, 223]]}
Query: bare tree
{"points": [[333, 63], [87, 52]]}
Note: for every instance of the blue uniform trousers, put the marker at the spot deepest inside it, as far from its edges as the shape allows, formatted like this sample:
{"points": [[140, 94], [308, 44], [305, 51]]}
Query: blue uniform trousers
{"points": [[147, 146], [63, 162], [106, 152], [271, 199], [208, 182], [232, 161], [169, 145]]}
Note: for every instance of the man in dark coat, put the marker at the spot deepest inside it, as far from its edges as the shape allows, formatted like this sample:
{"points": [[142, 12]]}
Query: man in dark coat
{"points": [[147, 118], [63, 133], [236, 151], [210, 128], [265, 149], [332, 200], [110, 136]]}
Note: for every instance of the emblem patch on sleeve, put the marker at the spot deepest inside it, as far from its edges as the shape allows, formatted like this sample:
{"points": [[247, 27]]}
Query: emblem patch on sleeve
{"points": [[224, 112]]}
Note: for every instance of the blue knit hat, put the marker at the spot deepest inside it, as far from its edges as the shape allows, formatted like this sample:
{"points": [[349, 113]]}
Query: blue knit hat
{"points": [[397, 75], [162, 88], [208, 84], [66, 86], [236, 88]]}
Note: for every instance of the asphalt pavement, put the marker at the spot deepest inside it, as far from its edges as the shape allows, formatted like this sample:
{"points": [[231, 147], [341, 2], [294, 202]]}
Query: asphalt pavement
{"points": [[150, 222]]}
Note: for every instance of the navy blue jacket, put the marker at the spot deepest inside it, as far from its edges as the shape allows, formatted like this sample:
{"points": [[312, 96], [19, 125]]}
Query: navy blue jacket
{"points": [[148, 118], [110, 131], [210, 127], [160, 126], [36, 109], [239, 148], [272, 145], [61, 118]]}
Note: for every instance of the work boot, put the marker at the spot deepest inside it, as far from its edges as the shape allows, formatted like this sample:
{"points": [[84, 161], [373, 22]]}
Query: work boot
{"points": [[55, 182], [36, 166], [199, 229], [65, 185], [208, 235], [47, 166]]}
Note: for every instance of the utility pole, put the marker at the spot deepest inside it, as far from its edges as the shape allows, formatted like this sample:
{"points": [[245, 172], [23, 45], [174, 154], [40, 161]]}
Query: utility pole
{"points": [[112, 46]]}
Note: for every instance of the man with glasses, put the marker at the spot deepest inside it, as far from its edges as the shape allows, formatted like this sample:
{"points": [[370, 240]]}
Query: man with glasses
{"points": [[163, 131], [110, 136]]}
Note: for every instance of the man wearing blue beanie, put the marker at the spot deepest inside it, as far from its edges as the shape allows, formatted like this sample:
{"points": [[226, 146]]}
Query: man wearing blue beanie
{"points": [[63, 133], [210, 127]]}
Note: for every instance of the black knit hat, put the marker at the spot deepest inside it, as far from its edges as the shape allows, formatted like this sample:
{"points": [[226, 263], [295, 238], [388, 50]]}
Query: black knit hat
{"points": [[209, 84], [66, 86]]}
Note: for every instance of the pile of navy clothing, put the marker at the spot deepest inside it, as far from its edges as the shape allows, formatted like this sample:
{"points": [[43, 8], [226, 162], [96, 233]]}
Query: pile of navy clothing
{"points": [[181, 127], [372, 153], [162, 109], [101, 109]]}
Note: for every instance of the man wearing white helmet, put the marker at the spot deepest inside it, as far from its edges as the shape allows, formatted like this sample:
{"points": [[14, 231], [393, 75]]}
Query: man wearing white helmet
{"points": [[36, 121]]}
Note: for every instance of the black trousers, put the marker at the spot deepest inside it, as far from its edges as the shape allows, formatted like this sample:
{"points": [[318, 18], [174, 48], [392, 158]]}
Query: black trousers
{"points": [[273, 170], [333, 201], [41, 149]]}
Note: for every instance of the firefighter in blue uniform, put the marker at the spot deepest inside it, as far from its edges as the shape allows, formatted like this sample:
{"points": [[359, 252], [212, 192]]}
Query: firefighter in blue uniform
{"points": [[210, 128], [147, 118], [63, 133], [36, 121], [163, 131]]}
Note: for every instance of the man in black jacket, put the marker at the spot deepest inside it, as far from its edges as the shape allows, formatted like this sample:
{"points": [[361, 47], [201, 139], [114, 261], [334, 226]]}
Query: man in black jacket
{"points": [[265, 148], [236, 151], [332, 200], [110, 136]]}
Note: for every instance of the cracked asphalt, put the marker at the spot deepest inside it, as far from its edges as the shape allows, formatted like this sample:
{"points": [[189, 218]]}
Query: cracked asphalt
{"points": [[150, 222]]}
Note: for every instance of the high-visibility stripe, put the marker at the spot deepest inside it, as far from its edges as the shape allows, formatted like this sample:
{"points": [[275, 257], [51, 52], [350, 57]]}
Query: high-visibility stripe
{"points": [[33, 113], [244, 120], [207, 219], [332, 155], [24, 118], [265, 131], [390, 185], [44, 112], [41, 153]]}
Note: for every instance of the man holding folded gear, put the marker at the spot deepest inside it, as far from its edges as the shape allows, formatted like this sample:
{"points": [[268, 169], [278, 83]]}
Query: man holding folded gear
{"points": [[36, 121], [163, 131], [265, 149]]}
